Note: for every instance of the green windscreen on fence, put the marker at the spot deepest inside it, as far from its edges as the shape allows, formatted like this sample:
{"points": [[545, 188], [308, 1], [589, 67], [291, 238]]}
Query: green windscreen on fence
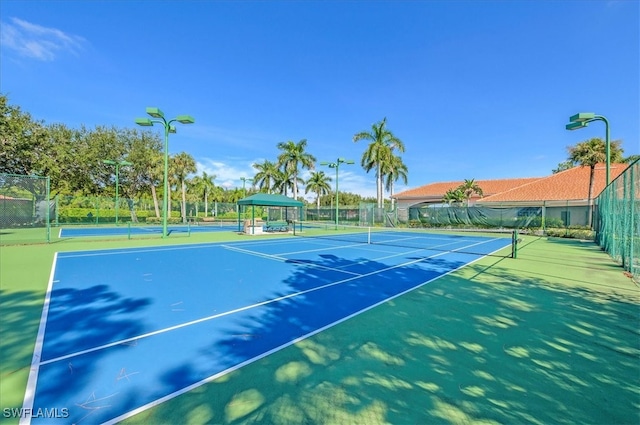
{"points": [[480, 217], [25, 209], [618, 223]]}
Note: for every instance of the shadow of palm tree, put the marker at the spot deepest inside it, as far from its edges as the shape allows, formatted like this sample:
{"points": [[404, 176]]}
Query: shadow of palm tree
{"points": [[497, 348], [21, 312], [79, 319]]}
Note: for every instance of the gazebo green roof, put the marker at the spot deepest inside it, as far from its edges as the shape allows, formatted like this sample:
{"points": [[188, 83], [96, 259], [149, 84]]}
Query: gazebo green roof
{"points": [[267, 200]]}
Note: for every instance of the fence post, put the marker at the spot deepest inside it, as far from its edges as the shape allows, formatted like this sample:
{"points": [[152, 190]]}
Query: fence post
{"points": [[632, 221], [48, 211]]}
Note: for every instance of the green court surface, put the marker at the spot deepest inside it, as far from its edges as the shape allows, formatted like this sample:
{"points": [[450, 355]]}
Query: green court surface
{"points": [[550, 337]]}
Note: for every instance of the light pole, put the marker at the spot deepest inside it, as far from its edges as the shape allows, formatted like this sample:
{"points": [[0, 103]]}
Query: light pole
{"points": [[117, 164], [168, 128], [244, 180], [581, 120], [336, 165]]}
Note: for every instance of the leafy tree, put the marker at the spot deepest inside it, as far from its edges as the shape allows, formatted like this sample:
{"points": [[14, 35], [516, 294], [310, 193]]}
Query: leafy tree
{"points": [[590, 153], [56, 165], [183, 164], [630, 159], [393, 170], [454, 196], [318, 183], [267, 175], [233, 195], [563, 166], [148, 163], [23, 141], [204, 185], [285, 181], [379, 152], [294, 155], [616, 156]]}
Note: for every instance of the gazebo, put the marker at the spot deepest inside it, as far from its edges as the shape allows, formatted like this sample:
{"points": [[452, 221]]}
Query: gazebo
{"points": [[264, 200]]}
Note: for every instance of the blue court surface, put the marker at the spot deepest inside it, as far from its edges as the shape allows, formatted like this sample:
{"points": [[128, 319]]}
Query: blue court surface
{"points": [[124, 330], [124, 230]]}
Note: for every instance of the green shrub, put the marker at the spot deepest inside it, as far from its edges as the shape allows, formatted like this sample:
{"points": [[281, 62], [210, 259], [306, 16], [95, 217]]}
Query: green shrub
{"points": [[581, 232]]}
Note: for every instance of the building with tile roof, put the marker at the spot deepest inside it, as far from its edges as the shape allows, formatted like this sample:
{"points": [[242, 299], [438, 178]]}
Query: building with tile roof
{"points": [[564, 195]]}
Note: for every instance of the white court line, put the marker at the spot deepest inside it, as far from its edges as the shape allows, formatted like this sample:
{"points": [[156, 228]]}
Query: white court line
{"points": [[280, 347], [116, 251], [30, 392], [286, 260]]}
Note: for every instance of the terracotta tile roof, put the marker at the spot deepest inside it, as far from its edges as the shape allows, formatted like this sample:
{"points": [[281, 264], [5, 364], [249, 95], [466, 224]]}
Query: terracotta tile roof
{"points": [[572, 184], [489, 187]]}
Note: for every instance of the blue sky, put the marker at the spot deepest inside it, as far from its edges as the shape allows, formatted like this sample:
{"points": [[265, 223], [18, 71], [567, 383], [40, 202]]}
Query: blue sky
{"points": [[475, 89]]}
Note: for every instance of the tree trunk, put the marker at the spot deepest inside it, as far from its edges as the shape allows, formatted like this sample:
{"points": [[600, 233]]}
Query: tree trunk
{"points": [[379, 186], [184, 201], [391, 195], [168, 202], [295, 185], [134, 216], [154, 195]]}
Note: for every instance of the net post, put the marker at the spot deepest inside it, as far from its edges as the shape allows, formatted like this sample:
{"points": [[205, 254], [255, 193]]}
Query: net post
{"points": [[369, 235], [514, 244], [129, 230]]}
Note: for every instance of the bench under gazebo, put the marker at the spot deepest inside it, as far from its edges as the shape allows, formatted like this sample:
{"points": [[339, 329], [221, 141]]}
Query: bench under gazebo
{"points": [[257, 226]]}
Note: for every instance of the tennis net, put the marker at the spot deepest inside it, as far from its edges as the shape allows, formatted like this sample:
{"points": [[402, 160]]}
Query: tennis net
{"points": [[494, 242]]}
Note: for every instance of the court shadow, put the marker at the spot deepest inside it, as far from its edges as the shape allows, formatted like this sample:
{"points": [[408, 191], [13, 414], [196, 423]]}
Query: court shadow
{"points": [[95, 315], [494, 348], [79, 319], [20, 316]]}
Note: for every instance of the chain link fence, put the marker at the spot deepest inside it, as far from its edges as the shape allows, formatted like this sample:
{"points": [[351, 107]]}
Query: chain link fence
{"points": [[25, 209], [618, 219], [102, 210]]}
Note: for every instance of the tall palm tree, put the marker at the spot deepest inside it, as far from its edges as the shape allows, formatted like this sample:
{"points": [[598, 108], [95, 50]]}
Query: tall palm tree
{"points": [[379, 151], [204, 185], [184, 164], [318, 183], [590, 153], [285, 181], [292, 156], [468, 188], [393, 170], [267, 175]]}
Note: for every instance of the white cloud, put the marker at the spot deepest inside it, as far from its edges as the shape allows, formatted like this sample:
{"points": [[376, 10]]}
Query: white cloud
{"points": [[227, 173], [37, 42]]}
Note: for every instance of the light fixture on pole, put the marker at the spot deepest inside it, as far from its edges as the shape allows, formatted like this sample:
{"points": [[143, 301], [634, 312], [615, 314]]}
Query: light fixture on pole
{"points": [[117, 164], [581, 120], [168, 128], [336, 165]]}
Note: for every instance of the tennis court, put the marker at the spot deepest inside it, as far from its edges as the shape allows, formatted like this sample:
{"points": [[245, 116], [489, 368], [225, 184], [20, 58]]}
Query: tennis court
{"points": [[126, 329]]}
